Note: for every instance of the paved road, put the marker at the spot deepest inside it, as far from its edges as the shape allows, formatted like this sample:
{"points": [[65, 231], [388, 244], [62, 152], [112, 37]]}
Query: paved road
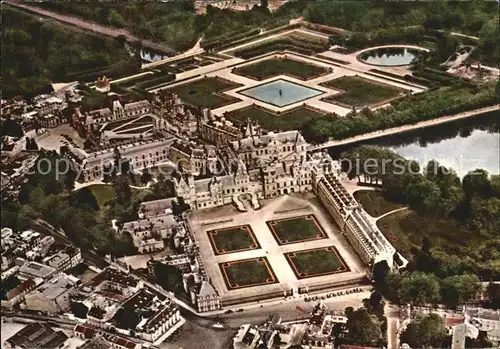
{"points": [[91, 26]]}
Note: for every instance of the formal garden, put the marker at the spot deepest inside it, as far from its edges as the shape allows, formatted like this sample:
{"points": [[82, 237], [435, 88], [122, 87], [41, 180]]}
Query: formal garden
{"points": [[316, 262], [359, 92], [233, 239], [297, 229], [248, 273], [206, 92], [281, 66], [290, 120], [298, 42]]}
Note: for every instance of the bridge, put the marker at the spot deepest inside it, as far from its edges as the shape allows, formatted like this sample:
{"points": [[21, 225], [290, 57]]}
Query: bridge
{"points": [[402, 129]]}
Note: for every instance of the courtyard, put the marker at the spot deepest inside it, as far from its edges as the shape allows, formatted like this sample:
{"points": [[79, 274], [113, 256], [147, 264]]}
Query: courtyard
{"points": [[233, 239], [281, 66], [206, 92], [296, 229], [316, 262], [299, 218], [247, 273], [360, 92]]}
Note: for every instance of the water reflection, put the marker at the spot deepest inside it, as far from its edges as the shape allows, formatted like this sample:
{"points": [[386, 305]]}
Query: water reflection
{"points": [[464, 144], [389, 56]]}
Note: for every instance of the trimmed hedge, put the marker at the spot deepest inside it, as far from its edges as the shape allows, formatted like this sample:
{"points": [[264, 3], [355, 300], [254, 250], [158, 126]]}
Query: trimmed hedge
{"points": [[226, 39], [292, 44], [156, 80]]}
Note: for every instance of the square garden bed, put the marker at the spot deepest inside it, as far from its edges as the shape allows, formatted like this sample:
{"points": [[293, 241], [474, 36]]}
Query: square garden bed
{"points": [[290, 120], [316, 262], [233, 239], [281, 66], [248, 273], [360, 92], [206, 93], [296, 229]]}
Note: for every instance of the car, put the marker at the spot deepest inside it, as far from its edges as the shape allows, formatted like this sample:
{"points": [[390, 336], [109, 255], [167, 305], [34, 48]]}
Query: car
{"points": [[229, 311], [240, 310]]}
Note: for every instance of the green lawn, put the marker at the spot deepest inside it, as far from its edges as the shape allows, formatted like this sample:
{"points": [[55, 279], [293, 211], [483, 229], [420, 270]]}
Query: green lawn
{"points": [[205, 92], [360, 92], [297, 229], [292, 120], [316, 262], [246, 273], [374, 202], [232, 239], [275, 66], [103, 193], [406, 229]]}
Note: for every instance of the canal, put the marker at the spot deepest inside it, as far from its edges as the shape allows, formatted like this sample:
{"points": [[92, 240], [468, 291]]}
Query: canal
{"points": [[464, 144]]}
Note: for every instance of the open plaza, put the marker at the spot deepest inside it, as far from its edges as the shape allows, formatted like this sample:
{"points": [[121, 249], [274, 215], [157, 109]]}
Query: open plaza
{"points": [[288, 246]]}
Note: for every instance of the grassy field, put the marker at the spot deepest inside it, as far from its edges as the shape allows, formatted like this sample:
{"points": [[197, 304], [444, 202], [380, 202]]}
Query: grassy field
{"points": [[234, 239], [406, 229], [374, 203], [275, 66], [292, 120], [298, 229], [316, 262], [246, 273], [360, 92], [205, 92], [105, 193]]}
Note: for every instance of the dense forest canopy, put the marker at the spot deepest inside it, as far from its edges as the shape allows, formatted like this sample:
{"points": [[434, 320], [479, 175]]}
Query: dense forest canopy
{"points": [[36, 52]]}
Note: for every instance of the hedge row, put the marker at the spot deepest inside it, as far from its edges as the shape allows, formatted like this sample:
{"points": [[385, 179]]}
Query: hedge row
{"points": [[291, 44], [323, 29], [229, 38], [259, 36], [146, 78], [156, 80], [382, 72], [419, 80], [437, 76]]}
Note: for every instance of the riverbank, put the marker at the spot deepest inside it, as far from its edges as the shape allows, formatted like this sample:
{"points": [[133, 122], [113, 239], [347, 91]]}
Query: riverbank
{"points": [[401, 129]]}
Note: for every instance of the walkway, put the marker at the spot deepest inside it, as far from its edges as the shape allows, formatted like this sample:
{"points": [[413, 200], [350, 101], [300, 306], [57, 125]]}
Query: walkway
{"points": [[356, 64], [401, 129], [195, 50], [91, 26], [391, 212]]}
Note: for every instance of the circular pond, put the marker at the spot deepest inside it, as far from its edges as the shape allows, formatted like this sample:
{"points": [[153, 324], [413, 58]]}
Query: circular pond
{"points": [[389, 56]]}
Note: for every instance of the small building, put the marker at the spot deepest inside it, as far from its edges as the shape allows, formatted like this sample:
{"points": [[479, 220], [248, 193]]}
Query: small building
{"points": [[36, 270], [37, 335], [14, 290], [67, 258], [207, 299], [53, 296]]}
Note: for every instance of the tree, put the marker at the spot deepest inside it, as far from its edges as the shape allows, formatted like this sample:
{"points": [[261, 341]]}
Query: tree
{"points": [[459, 289], [375, 304], [85, 197], [477, 183], [424, 197], [79, 309], [493, 291], [121, 185], [419, 288], [127, 318], [426, 332], [31, 144], [364, 330]]}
